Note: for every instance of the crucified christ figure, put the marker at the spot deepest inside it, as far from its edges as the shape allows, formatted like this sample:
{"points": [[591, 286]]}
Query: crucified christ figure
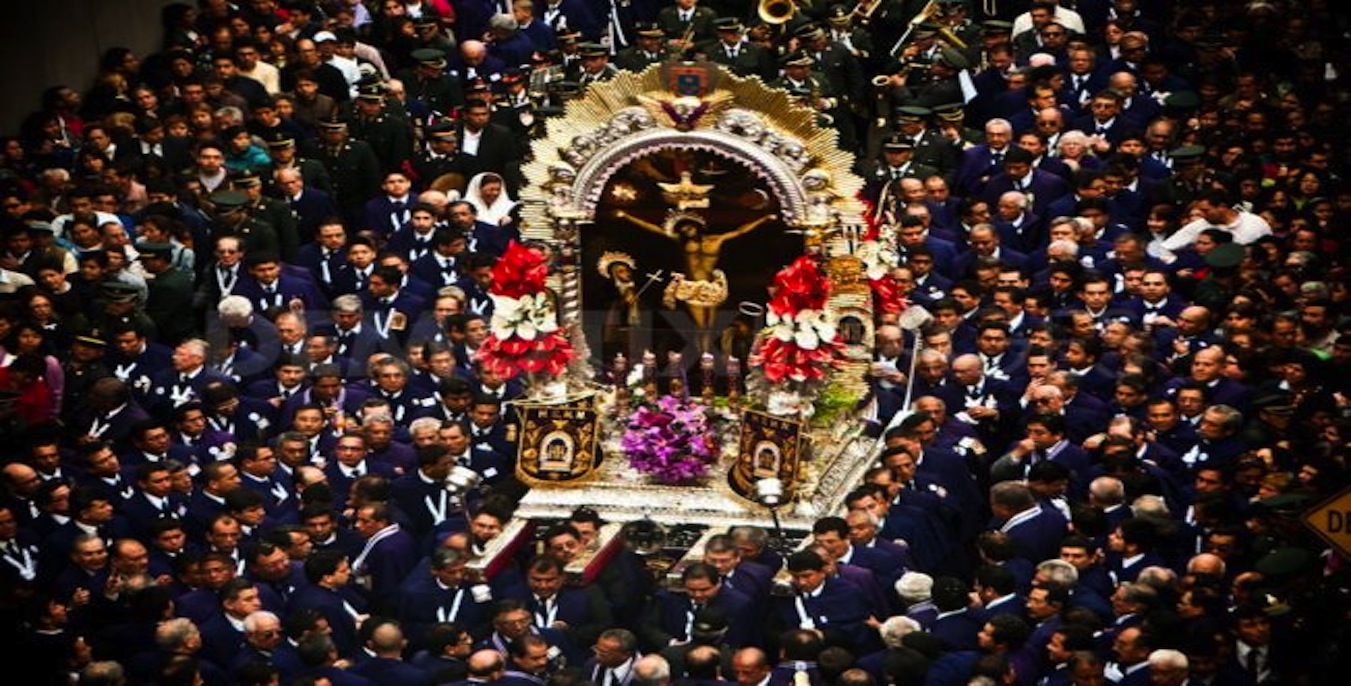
{"points": [[703, 287]]}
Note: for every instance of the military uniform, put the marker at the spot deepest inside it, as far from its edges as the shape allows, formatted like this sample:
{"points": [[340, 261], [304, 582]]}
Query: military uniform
{"points": [[440, 94], [170, 298], [256, 234], [276, 213], [356, 175], [390, 137], [313, 171], [635, 58]]}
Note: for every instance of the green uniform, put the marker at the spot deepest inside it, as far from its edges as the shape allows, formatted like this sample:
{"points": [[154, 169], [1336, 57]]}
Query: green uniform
{"points": [[170, 300], [278, 214], [356, 175], [389, 135]]}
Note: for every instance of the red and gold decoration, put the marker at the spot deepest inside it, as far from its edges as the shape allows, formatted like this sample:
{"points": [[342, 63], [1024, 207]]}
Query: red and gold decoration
{"points": [[525, 336]]}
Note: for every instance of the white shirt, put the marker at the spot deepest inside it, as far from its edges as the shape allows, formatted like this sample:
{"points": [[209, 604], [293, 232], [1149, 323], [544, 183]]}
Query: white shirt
{"points": [[1247, 228], [1064, 16]]}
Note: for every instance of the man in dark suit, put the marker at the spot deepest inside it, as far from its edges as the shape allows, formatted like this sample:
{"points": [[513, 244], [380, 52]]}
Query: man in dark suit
{"points": [[415, 237], [1044, 441], [390, 211], [1018, 174], [388, 555], [440, 266], [670, 615], [830, 605], [386, 665], [980, 162], [491, 146], [1105, 117], [330, 592], [309, 205], [1036, 530], [985, 242], [580, 611], [421, 494], [957, 623], [574, 15], [270, 289], [391, 310]]}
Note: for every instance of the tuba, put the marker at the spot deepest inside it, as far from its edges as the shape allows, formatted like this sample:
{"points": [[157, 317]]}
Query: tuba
{"points": [[776, 11]]}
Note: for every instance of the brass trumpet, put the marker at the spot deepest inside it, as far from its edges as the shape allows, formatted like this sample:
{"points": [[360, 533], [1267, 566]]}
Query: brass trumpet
{"points": [[776, 11]]}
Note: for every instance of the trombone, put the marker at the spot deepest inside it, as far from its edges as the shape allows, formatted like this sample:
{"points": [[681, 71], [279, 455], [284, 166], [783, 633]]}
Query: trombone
{"points": [[925, 13]]}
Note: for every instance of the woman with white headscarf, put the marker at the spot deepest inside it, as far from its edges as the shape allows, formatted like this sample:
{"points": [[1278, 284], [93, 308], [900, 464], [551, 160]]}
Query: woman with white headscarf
{"points": [[488, 194]]}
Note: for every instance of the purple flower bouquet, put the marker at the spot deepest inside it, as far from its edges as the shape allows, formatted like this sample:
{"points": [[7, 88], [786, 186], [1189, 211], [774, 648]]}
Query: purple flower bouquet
{"points": [[670, 440]]}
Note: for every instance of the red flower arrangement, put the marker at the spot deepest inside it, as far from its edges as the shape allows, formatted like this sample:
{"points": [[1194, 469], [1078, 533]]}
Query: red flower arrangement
{"points": [[524, 336], [801, 342]]}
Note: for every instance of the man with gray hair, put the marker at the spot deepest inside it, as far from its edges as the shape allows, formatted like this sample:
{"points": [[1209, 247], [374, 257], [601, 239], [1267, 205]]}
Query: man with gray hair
{"points": [[651, 670], [1168, 667]]}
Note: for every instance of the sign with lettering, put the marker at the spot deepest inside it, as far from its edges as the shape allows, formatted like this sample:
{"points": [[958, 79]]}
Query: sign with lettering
{"points": [[1332, 521], [558, 443], [768, 447]]}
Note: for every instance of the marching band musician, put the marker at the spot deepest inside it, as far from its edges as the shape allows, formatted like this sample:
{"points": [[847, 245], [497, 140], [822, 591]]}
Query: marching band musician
{"points": [[646, 49], [811, 87], [596, 65], [732, 50]]}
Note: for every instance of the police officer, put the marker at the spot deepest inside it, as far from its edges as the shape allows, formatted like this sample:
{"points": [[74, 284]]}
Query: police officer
{"points": [[389, 134], [271, 211], [645, 51], [442, 156], [232, 219], [282, 149], [352, 165], [596, 65], [435, 92]]}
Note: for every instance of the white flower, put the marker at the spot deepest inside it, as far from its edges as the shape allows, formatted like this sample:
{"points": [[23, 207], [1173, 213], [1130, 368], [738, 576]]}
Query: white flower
{"points": [[877, 258], [524, 317]]}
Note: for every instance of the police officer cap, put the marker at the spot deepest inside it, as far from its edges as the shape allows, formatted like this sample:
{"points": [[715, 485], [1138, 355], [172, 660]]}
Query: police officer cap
{"points": [[430, 57], [334, 123], [925, 29], [228, 200], [441, 129], [839, 14], [798, 59], [566, 35], [280, 141], [1187, 153], [93, 336], [952, 111], [592, 50], [1226, 256], [118, 291], [1182, 100], [1276, 402], [996, 26], [1284, 562], [809, 32], [728, 24], [647, 29], [155, 249], [898, 143], [246, 179], [912, 113], [371, 92]]}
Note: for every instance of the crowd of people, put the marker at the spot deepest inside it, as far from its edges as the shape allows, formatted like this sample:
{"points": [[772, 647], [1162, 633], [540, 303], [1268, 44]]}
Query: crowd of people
{"points": [[243, 281]]}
